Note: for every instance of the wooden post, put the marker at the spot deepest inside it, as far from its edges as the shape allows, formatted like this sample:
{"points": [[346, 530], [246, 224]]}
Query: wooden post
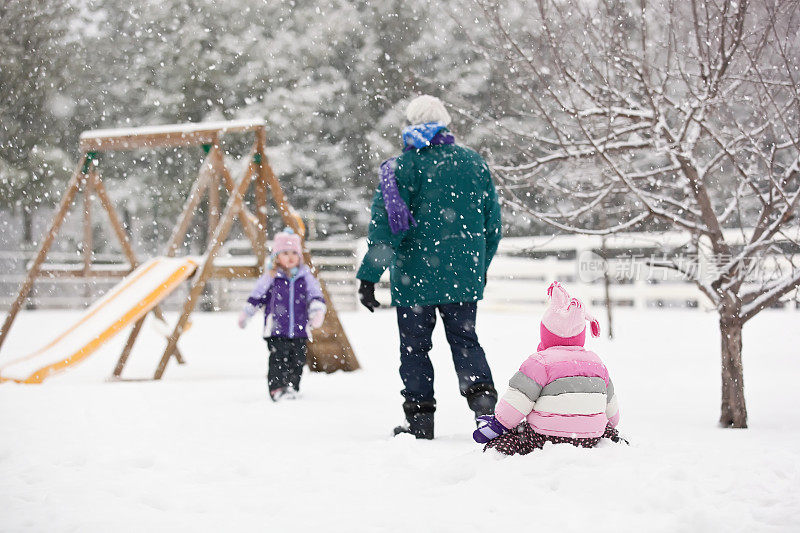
{"points": [[261, 197], [167, 136], [126, 351], [116, 224], [209, 295], [185, 219], [127, 249], [213, 204], [287, 215], [87, 243], [88, 237], [205, 270], [66, 201], [248, 220]]}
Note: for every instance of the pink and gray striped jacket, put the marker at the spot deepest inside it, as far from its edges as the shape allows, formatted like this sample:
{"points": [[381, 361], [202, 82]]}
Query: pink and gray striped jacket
{"points": [[562, 391]]}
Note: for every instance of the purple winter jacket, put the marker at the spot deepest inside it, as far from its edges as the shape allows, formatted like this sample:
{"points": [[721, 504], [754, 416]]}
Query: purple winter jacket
{"points": [[287, 300]]}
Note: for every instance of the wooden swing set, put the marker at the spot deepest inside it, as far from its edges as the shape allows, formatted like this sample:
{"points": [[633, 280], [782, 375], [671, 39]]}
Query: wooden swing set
{"points": [[329, 351]]}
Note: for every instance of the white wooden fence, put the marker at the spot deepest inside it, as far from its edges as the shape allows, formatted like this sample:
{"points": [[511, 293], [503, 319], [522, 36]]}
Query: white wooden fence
{"points": [[518, 278]]}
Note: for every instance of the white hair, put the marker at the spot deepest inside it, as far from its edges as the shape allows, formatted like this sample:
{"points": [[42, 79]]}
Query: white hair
{"points": [[427, 108]]}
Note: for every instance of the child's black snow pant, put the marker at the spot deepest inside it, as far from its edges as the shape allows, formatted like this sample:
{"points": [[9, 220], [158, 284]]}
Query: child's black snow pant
{"points": [[286, 360]]}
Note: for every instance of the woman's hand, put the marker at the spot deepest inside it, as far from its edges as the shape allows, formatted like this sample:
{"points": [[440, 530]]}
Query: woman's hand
{"points": [[366, 294]]}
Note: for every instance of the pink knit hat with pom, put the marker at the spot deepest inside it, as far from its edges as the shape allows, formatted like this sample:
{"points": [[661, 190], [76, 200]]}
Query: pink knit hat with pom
{"points": [[287, 241], [564, 322]]}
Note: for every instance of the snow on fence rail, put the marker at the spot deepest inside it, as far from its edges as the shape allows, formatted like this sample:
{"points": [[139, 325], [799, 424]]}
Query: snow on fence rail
{"points": [[336, 261], [518, 277], [525, 266]]}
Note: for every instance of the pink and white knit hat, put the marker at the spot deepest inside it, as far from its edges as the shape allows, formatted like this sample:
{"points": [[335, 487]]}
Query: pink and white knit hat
{"points": [[564, 322], [287, 241]]}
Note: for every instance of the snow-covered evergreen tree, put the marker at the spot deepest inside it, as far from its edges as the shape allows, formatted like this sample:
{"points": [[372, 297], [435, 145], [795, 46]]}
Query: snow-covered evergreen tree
{"points": [[34, 48]]}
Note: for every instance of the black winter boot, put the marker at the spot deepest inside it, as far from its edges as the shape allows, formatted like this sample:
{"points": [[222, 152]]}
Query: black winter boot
{"points": [[419, 418], [481, 398]]}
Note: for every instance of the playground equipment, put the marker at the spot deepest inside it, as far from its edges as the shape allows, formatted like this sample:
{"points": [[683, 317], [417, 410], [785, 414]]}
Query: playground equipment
{"points": [[130, 300], [146, 285]]}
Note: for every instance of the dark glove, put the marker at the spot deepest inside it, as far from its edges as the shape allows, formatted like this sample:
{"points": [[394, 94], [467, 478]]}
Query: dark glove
{"points": [[366, 294]]}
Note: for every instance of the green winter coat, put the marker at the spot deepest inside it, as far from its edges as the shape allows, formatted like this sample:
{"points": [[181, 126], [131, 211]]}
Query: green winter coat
{"points": [[443, 259]]}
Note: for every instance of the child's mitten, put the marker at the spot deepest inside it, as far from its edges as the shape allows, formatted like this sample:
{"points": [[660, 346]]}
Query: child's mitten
{"points": [[489, 429], [316, 314], [245, 316]]}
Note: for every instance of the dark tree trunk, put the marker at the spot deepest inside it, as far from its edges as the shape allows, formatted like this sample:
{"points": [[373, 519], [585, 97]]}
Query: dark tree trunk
{"points": [[27, 224], [607, 288], [733, 411], [127, 221]]}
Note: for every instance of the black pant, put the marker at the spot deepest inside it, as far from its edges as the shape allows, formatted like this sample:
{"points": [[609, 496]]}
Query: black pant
{"points": [[286, 360], [416, 327]]}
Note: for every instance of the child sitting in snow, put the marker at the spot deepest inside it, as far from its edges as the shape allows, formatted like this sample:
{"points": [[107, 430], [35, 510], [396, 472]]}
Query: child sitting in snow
{"points": [[561, 394], [293, 304]]}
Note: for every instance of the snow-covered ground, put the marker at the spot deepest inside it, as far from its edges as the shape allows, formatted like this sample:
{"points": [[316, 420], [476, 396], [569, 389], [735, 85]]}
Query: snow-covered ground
{"points": [[205, 450]]}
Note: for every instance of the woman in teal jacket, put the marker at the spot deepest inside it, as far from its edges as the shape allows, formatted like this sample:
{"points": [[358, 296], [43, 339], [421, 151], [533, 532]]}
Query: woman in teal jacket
{"points": [[436, 226]]}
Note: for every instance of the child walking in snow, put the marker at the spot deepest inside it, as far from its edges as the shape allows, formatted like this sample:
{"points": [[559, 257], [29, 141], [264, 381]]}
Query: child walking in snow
{"points": [[293, 305], [561, 394]]}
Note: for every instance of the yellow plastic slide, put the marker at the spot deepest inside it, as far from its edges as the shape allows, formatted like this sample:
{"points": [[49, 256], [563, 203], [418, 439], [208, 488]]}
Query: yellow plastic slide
{"points": [[128, 301]]}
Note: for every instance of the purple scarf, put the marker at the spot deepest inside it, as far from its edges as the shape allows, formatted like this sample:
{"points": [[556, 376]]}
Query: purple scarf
{"points": [[400, 217]]}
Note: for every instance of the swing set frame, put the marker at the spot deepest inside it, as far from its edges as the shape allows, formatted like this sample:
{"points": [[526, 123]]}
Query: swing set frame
{"points": [[329, 351]]}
